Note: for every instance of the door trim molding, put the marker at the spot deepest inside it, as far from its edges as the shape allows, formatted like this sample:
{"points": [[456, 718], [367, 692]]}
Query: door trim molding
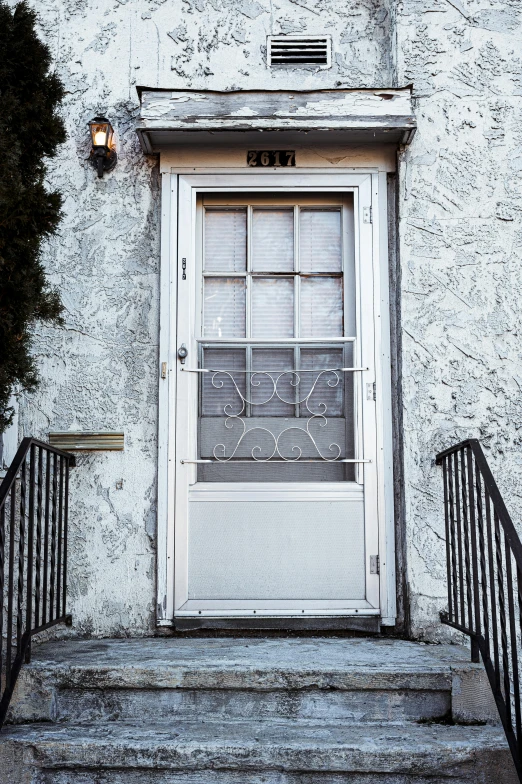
{"points": [[319, 179]]}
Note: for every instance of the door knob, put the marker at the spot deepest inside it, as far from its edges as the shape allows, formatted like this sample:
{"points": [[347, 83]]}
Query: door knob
{"points": [[182, 353]]}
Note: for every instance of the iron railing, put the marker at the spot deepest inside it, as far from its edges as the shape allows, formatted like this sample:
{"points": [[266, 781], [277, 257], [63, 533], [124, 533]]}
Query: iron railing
{"points": [[484, 565], [33, 554]]}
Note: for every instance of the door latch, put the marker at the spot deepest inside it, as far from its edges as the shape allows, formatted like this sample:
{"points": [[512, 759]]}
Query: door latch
{"points": [[374, 564], [182, 353]]}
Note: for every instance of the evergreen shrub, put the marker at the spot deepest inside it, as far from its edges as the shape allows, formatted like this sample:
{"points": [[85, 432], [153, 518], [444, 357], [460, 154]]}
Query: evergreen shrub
{"points": [[30, 132]]}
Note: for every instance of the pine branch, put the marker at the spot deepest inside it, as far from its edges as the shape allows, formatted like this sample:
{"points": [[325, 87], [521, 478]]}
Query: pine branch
{"points": [[31, 130]]}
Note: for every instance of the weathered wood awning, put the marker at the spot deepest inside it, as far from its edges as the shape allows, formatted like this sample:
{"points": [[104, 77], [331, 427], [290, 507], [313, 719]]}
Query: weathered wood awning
{"points": [[170, 117]]}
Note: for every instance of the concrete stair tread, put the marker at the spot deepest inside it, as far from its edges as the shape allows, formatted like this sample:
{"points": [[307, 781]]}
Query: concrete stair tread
{"points": [[249, 663], [320, 746]]}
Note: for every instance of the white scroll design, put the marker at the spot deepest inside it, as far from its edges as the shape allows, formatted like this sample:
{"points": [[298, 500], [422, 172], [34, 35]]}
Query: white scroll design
{"points": [[332, 378]]}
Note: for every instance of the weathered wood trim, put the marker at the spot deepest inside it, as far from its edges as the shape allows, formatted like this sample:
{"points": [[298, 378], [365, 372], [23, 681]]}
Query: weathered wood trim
{"points": [[174, 112]]}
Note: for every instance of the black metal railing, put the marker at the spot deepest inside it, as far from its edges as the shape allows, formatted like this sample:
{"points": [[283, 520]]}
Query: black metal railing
{"points": [[33, 554], [484, 565]]}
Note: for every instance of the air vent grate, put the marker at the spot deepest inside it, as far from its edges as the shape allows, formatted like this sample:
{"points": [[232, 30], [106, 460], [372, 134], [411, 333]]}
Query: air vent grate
{"points": [[299, 50]]}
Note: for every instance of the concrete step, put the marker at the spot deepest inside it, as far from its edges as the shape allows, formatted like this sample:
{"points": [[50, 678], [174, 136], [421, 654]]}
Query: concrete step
{"points": [[353, 680], [239, 777], [253, 752], [308, 704]]}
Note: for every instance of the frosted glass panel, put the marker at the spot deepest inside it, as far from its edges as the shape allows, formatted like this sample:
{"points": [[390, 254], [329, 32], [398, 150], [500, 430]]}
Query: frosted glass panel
{"points": [[225, 240], [321, 308], [224, 308], [320, 241], [272, 307], [273, 241]]}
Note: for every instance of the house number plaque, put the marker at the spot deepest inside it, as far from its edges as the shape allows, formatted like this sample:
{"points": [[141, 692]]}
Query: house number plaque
{"points": [[271, 158]]}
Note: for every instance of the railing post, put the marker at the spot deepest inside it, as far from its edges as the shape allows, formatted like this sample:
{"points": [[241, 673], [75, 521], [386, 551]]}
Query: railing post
{"points": [[30, 553], [59, 609], [10, 587], [45, 614], [458, 504], [477, 627], [68, 465], [447, 513], [21, 556], [475, 651]]}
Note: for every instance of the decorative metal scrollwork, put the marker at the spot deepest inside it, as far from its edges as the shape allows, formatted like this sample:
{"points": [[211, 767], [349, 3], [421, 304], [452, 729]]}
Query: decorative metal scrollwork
{"points": [[332, 377]]}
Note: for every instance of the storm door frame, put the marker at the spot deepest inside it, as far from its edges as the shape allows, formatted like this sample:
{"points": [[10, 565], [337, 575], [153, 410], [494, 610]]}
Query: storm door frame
{"points": [[372, 222]]}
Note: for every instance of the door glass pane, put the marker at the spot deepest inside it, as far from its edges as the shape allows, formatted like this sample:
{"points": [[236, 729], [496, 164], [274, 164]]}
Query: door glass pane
{"points": [[273, 241], [224, 308], [320, 241], [225, 385], [270, 428], [273, 386], [289, 405], [321, 308], [330, 395], [225, 240], [322, 391], [272, 307]]}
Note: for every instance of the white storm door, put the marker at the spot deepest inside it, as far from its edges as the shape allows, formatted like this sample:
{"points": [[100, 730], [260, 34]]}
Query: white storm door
{"points": [[276, 487]]}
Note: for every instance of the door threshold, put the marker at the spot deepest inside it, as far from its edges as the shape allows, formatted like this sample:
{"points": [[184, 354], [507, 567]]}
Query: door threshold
{"points": [[369, 624]]}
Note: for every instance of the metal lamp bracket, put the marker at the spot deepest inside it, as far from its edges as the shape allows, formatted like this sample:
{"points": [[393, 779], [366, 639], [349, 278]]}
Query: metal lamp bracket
{"points": [[103, 160]]}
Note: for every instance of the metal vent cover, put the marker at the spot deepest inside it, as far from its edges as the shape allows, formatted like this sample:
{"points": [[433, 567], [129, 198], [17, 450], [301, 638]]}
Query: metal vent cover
{"points": [[299, 50]]}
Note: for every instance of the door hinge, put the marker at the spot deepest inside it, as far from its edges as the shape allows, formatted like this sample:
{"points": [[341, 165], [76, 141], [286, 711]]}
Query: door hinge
{"points": [[164, 370], [374, 564], [367, 215], [371, 391]]}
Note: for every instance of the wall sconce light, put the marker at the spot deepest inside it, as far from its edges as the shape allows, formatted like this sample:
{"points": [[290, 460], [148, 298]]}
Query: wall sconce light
{"points": [[103, 155]]}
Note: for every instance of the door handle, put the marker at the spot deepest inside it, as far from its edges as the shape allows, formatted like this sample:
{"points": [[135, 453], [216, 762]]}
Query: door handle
{"points": [[182, 353]]}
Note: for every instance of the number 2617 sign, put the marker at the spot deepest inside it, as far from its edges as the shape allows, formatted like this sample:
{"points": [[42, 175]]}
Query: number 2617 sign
{"points": [[271, 158]]}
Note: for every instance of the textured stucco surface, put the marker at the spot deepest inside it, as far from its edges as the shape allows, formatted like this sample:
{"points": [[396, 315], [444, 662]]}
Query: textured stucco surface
{"points": [[100, 371], [460, 244], [461, 253]]}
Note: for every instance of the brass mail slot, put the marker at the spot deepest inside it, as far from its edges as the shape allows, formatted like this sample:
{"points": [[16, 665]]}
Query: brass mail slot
{"points": [[112, 442]]}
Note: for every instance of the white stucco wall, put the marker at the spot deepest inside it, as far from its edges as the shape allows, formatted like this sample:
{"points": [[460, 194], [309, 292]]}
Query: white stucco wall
{"points": [[461, 262], [460, 245]]}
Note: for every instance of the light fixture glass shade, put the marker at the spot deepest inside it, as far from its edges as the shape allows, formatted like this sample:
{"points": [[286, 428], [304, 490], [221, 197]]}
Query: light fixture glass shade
{"points": [[100, 138], [101, 132], [103, 154]]}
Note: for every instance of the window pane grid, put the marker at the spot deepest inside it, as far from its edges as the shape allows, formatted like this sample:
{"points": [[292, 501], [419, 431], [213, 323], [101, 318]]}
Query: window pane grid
{"points": [[240, 366], [291, 388], [268, 249]]}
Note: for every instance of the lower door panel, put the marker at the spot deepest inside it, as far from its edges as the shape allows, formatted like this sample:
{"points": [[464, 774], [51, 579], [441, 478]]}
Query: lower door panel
{"points": [[276, 550]]}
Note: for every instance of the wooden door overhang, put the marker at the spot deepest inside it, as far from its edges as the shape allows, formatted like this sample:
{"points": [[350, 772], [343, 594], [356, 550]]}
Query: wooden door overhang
{"points": [[173, 117]]}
